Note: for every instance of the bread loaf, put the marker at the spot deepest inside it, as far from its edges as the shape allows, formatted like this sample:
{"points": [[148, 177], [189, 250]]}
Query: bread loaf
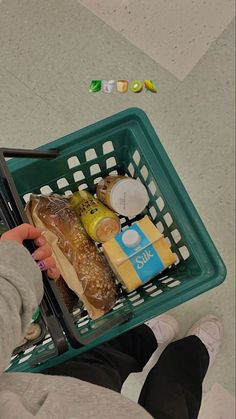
{"points": [[89, 275], [69, 297]]}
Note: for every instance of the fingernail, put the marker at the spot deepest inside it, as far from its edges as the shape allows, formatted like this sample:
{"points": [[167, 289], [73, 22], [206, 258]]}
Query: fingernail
{"points": [[41, 265], [37, 255], [41, 241]]}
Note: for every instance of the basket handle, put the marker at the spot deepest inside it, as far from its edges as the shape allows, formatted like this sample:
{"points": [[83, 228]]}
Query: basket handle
{"points": [[54, 328], [8, 182], [15, 216]]}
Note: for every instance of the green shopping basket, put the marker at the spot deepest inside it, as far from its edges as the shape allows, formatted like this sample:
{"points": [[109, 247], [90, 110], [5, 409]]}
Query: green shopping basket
{"points": [[125, 143]]}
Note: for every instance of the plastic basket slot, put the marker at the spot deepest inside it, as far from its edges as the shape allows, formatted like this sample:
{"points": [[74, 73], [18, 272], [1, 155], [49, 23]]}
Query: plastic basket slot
{"points": [[62, 183], [79, 175], [77, 312], [176, 235], [25, 358], [43, 349], [9, 204], [167, 280], [144, 172], [184, 252], [123, 220], [136, 157], [118, 306], [132, 293], [107, 147], [120, 300], [27, 351], [85, 317], [46, 341], [151, 289], [168, 241], [83, 186], [135, 297], [152, 187], [153, 212], [160, 226], [111, 162], [90, 154], [131, 169], [68, 193], [155, 293], [168, 219], [46, 190], [73, 162], [163, 277], [174, 284], [113, 173], [176, 259], [160, 203], [97, 180], [148, 285], [94, 169], [51, 346], [83, 323], [26, 197], [137, 303]]}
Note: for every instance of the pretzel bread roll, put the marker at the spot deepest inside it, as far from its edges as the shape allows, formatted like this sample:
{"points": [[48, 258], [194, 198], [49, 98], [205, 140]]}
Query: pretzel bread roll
{"points": [[94, 283]]}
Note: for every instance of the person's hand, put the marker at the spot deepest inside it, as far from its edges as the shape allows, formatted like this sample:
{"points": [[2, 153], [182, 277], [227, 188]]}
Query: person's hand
{"points": [[43, 255]]}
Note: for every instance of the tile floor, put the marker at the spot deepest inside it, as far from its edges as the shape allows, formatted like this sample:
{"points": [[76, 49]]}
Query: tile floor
{"points": [[174, 33], [51, 49]]}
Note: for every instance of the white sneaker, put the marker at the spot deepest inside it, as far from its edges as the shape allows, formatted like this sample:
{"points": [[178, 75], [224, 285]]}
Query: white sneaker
{"points": [[210, 331], [164, 327]]}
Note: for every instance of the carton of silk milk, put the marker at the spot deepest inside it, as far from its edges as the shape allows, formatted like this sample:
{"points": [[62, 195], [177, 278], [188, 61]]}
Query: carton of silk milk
{"points": [[138, 254]]}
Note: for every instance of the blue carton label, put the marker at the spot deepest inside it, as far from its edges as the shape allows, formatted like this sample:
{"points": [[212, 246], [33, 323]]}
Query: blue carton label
{"points": [[143, 257]]}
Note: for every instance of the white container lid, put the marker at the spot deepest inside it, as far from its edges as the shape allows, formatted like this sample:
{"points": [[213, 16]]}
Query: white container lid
{"points": [[131, 238], [129, 197]]}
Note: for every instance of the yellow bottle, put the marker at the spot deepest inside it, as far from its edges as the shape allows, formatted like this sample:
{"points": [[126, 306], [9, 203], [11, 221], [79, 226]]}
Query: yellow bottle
{"points": [[100, 222]]}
